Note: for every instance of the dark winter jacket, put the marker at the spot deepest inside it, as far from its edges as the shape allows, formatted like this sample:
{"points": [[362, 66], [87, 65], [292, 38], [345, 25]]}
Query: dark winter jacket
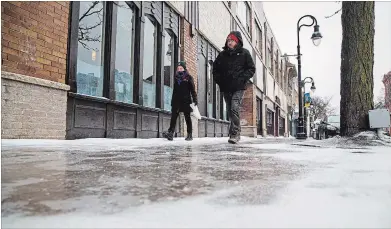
{"points": [[184, 93], [233, 68]]}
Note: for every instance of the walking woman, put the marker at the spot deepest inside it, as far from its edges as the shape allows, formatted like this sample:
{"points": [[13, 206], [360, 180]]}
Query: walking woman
{"points": [[182, 96]]}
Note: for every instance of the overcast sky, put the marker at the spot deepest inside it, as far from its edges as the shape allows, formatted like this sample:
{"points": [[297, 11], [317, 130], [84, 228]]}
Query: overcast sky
{"points": [[323, 62]]}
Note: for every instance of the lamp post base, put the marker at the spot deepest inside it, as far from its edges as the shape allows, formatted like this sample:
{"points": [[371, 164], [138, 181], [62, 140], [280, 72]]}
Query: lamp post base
{"points": [[301, 134]]}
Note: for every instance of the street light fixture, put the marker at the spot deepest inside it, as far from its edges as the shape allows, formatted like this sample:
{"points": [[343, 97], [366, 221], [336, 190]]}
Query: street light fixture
{"points": [[313, 88], [316, 38], [312, 82]]}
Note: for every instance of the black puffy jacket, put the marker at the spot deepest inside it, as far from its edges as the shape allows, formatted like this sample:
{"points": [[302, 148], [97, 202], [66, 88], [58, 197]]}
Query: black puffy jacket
{"points": [[183, 94], [233, 68]]}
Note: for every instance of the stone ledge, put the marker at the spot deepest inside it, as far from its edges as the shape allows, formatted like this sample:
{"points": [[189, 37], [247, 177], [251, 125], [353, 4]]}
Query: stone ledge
{"points": [[249, 131], [34, 80]]}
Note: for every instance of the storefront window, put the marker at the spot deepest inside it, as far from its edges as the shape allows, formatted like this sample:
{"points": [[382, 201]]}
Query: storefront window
{"points": [[210, 91], [124, 64], [169, 71], [90, 48], [202, 77], [224, 110], [149, 58]]}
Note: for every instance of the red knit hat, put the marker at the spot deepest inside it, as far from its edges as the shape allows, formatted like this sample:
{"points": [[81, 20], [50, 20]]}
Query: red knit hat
{"points": [[233, 37]]}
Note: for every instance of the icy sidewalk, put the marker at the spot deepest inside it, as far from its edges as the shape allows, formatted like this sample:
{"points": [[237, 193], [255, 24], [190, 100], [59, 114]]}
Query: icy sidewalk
{"points": [[98, 183], [99, 144]]}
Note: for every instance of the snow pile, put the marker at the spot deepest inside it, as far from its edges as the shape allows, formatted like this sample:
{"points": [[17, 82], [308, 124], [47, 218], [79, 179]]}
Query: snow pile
{"points": [[383, 137], [360, 140]]}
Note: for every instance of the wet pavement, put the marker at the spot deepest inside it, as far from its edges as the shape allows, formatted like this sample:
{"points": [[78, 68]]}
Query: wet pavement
{"points": [[41, 182]]}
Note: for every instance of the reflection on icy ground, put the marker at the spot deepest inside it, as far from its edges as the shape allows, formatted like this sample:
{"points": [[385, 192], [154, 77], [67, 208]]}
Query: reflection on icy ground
{"points": [[47, 183]]}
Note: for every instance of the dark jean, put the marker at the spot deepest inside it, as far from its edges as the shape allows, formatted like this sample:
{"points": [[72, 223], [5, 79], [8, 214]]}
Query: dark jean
{"points": [[234, 103], [174, 116]]}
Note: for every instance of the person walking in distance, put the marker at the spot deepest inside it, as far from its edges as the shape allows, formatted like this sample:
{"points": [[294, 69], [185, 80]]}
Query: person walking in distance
{"points": [[182, 96], [232, 69]]}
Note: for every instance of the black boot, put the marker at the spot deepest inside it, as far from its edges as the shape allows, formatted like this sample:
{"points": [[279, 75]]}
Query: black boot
{"points": [[234, 138], [169, 135], [189, 137]]}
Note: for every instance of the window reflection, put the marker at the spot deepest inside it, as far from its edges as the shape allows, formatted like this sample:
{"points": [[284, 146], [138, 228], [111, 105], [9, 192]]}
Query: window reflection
{"points": [[124, 44], [210, 94], [202, 82], [224, 110], [90, 48], [149, 60], [168, 68]]}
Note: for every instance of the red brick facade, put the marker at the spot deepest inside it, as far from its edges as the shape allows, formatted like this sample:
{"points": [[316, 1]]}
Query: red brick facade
{"points": [[387, 91], [34, 39], [189, 49], [248, 111]]}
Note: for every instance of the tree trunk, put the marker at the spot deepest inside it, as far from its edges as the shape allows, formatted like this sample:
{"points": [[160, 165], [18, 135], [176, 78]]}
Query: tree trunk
{"points": [[357, 57]]}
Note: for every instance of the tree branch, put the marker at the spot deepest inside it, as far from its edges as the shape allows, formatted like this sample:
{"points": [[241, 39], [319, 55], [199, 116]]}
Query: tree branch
{"points": [[335, 13], [89, 9]]}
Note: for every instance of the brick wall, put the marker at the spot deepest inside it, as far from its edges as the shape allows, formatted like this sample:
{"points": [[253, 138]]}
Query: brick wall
{"points": [[189, 49], [387, 89], [189, 54], [248, 111], [34, 39]]}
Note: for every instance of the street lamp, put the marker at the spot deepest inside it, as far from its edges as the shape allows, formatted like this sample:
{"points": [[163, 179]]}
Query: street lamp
{"points": [[303, 82], [313, 88], [316, 38]]}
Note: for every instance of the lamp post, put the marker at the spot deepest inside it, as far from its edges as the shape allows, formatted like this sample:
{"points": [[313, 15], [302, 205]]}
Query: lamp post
{"points": [[316, 38], [313, 88]]}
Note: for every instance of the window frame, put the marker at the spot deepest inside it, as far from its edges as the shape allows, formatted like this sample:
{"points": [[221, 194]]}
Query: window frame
{"points": [[110, 29], [246, 23], [258, 38], [73, 48], [136, 12], [174, 57]]}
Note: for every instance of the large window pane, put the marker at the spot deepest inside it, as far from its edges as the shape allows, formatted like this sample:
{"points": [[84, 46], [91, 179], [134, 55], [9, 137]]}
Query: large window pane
{"points": [[202, 84], [259, 38], [169, 52], [243, 12], [124, 67], [149, 77], [90, 48], [210, 91], [224, 110]]}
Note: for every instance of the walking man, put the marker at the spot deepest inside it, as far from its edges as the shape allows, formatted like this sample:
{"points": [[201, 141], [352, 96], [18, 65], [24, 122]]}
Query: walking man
{"points": [[232, 69]]}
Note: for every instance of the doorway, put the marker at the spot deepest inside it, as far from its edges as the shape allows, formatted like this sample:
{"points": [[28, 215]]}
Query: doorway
{"points": [[259, 116]]}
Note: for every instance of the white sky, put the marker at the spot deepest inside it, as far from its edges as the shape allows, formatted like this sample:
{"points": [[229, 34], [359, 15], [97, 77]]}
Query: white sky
{"points": [[323, 62]]}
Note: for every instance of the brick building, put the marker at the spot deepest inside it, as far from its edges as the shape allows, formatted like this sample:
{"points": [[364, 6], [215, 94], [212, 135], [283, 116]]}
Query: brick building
{"points": [[387, 91], [104, 69]]}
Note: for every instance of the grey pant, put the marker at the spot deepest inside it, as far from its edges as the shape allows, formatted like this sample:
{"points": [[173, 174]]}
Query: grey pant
{"points": [[234, 103]]}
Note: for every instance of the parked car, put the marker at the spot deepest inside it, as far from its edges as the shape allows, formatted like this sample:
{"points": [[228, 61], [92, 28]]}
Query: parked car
{"points": [[328, 128]]}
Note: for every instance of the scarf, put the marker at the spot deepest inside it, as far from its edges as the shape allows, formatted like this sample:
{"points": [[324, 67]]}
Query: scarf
{"points": [[180, 76]]}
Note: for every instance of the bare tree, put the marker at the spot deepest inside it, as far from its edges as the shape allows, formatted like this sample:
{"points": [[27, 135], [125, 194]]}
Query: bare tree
{"points": [[85, 29], [322, 107], [357, 58], [335, 13], [380, 101]]}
